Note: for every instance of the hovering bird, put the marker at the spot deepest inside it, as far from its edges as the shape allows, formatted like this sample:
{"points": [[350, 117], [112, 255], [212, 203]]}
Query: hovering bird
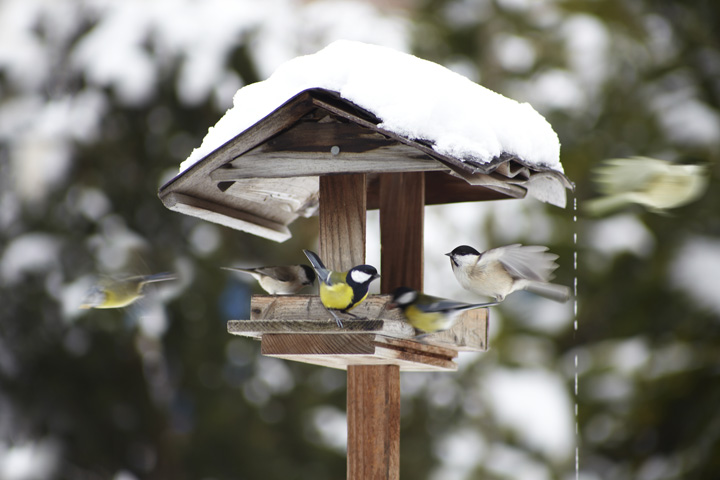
{"points": [[500, 271], [118, 293], [655, 184], [342, 291], [281, 280], [430, 314]]}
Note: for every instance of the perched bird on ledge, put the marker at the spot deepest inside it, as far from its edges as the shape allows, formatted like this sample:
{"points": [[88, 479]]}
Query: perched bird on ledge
{"points": [[280, 280], [342, 291]]}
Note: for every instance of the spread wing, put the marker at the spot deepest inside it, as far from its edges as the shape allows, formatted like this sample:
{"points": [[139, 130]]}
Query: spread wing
{"points": [[532, 262]]}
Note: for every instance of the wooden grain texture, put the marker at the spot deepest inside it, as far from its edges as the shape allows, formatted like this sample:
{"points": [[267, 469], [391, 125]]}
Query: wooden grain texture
{"points": [[402, 209], [227, 216], [373, 405], [304, 314], [440, 188], [343, 350], [342, 221]]}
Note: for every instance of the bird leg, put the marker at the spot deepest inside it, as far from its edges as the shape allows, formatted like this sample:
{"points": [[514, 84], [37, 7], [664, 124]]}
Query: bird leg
{"points": [[337, 319]]}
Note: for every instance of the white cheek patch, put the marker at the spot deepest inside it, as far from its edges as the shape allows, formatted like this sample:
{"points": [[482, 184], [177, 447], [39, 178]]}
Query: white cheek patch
{"points": [[359, 277], [464, 260], [406, 298]]}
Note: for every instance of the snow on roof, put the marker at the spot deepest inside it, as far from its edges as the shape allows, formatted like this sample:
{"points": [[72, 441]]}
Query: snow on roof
{"points": [[414, 98]]}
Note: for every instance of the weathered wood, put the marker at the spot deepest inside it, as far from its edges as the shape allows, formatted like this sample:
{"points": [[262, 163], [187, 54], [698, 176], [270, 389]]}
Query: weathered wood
{"points": [[396, 158], [299, 195], [402, 208], [223, 215], [440, 188], [304, 314], [373, 405], [343, 350], [342, 221]]}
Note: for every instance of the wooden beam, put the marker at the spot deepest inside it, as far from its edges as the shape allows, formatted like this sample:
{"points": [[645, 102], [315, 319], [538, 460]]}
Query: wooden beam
{"points": [[373, 422], [342, 221], [373, 395], [402, 209]]}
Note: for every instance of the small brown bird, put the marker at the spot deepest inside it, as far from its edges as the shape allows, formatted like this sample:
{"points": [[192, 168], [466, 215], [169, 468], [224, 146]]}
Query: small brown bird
{"points": [[281, 280], [500, 271]]}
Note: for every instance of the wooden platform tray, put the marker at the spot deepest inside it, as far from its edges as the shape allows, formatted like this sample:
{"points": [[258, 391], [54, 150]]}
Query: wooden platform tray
{"points": [[299, 328]]}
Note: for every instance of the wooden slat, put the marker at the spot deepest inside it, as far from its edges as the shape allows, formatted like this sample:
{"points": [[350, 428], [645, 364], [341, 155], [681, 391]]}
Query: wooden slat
{"points": [[402, 208], [304, 314], [224, 215], [278, 120], [342, 221], [396, 158], [306, 307], [342, 351], [373, 422]]}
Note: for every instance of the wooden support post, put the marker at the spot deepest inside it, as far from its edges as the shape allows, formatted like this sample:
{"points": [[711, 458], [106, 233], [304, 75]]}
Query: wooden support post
{"points": [[373, 394], [342, 220], [402, 209], [373, 422]]}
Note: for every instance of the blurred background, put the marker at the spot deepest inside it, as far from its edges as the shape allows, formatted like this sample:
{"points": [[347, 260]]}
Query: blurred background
{"points": [[100, 101]]}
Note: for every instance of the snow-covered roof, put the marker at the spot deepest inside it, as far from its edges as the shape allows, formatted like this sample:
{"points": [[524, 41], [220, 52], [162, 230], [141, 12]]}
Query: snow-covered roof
{"points": [[413, 98], [357, 108]]}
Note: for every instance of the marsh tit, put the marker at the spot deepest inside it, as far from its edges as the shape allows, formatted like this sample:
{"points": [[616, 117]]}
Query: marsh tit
{"points": [[500, 271], [280, 280], [118, 293], [655, 184], [342, 291], [430, 314]]}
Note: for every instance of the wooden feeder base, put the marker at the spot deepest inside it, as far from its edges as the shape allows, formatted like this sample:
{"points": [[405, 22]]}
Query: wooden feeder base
{"points": [[378, 336]]}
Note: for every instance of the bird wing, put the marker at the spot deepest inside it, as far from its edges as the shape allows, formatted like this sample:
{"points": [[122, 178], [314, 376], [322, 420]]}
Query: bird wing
{"points": [[622, 175], [532, 262], [284, 273], [436, 304]]}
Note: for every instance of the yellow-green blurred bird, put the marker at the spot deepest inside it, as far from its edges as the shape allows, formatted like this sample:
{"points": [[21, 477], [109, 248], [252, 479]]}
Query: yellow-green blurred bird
{"points": [[430, 314], [655, 184], [118, 293], [342, 291], [281, 280]]}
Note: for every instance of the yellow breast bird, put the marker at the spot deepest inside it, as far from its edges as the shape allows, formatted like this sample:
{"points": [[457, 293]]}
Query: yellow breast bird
{"points": [[118, 293], [342, 291]]}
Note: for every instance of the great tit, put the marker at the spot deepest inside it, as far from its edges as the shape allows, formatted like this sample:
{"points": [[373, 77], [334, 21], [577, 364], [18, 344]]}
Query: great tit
{"points": [[500, 271], [430, 314], [342, 291], [655, 184], [282, 280], [118, 293]]}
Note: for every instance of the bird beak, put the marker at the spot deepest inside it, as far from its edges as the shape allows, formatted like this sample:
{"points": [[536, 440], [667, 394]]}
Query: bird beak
{"points": [[449, 254]]}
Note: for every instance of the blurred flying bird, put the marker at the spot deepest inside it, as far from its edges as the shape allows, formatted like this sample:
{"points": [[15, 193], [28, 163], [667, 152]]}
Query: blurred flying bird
{"points": [[500, 271], [342, 291], [430, 314], [280, 280], [120, 292], [655, 184]]}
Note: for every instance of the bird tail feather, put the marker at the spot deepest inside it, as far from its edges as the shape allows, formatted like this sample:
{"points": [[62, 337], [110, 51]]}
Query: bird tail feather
{"points": [[317, 264], [159, 277], [553, 291]]}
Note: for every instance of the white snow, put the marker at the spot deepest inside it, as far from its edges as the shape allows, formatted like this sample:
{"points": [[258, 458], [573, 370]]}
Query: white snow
{"points": [[414, 98], [536, 405], [695, 270]]}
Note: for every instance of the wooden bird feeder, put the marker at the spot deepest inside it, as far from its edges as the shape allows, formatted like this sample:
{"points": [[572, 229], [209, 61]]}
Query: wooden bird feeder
{"points": [[321, 154]]}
